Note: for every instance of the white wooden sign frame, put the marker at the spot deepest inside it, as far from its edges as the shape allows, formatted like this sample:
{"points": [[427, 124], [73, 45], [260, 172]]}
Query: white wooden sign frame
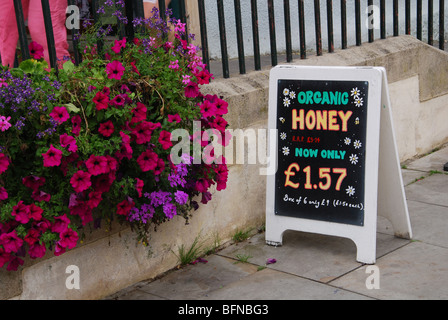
{"points": [[381, 165]]}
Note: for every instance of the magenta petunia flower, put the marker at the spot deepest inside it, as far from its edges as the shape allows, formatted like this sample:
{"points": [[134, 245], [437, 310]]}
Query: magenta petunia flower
{"points": [[147, 161], [33, 182], [3, 194], [139, 113], [174, 118], [4, 163], [69, 238], [4, 257], [119, 44], [165, 140], [81, 181], [97, 165], [101, 101], [76, 121], [139, 186], [35, 212], [37, 251], [160, 167], [21, 212], [52, 158], [14, 263], [60, 114], [221, 107], [118, 101], [106, 129], [10, 241], [40, 196], [32, 236], [60, 224], [191, 90], [204, 77], [115, 70], [124, 207], [68, 141], [143, 132], [208, 109], [202, 185], [36, 50], [4, 123]]}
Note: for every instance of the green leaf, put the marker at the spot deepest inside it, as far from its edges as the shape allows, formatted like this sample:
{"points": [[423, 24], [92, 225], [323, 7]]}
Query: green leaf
{"points": [[68, 67], [72, 108], [27, 66]]}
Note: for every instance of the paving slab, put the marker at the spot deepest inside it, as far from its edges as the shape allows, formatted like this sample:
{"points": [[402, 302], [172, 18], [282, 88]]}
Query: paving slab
{"points": [[196, 281], [412, 176], [270, 284], [431, 162], [432, 190], [313, 256], [417, 271], [429, 223]]}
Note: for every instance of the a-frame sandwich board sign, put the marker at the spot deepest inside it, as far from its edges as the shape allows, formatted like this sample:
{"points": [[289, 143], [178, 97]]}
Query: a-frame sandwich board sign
{"points": [[335, 154]]}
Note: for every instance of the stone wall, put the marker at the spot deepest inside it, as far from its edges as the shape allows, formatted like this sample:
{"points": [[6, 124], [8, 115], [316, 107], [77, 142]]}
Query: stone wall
{"points": [[110, 261]]}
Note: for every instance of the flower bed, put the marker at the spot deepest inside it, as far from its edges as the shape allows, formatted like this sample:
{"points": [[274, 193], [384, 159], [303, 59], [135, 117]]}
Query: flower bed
{"points": [[96, 142]]}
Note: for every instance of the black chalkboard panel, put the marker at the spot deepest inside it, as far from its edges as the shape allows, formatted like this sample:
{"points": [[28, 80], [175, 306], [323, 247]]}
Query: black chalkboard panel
{"points": [[322, 127]]}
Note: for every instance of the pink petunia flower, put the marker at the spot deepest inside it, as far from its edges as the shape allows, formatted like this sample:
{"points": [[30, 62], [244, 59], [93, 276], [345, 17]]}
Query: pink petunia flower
{"points": [[97, 165], [174, 118], [36, 50], [106, 129], [139, 186], [37, 251], [124, 207], [3, 83], [191, 90], [10, 241], [52, 158], [21, 212], [58, 250], [4, 124], [4, 163], [35, 212], [3, 194], [76, 122], [165, 140], [143, 132], [4, 257], [118, 101], [119, 44], [101, 101], [69, 238], [95, 199], [139, 113], [32, 236], [60, 114], [39, 196], [33, 182], [81, 181], [160, 167], [115, 70], [204, 77], [208, 109], [112, 164], [14, 263], [60, 224], [68, 141], [147, 160], [221, 107]]}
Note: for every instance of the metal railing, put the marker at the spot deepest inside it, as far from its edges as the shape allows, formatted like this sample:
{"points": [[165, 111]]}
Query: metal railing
{"points": [[318, 17], [134, 8]]}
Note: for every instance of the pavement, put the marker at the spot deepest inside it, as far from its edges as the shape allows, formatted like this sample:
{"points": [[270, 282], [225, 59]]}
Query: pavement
{"points": [[316, 267]]}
